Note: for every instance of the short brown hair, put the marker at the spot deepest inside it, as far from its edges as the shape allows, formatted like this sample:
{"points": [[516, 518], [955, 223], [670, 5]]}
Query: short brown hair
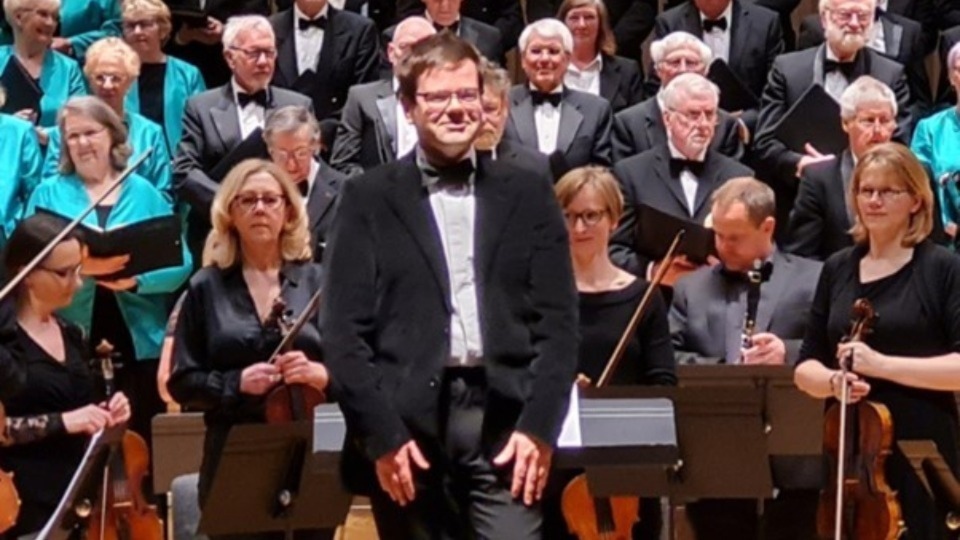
{"points": [[606, 42], [754, 195], [435, 52], [895, 161], [95, 109], [601, 179]]}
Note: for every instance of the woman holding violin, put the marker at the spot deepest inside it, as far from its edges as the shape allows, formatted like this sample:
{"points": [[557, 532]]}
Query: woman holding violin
{"points": [[52, 408], [258, 251], [910, 361]]}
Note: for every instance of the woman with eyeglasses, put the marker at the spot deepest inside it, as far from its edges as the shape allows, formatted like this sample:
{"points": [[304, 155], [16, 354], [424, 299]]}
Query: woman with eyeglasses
{"points": [[910, 362], [49, 393], [129, 312], [257, 252], [82, 22]]}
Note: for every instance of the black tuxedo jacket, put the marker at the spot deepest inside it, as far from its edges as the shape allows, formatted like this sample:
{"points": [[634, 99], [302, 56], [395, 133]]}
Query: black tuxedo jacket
{"points": [[485, 37], [321, 207], [621, 82], [820, 221], [505, 15], [632, 21], [639, 128], [386, 325], [367, 133], [349, 55], [645, 179], [585, 125]]}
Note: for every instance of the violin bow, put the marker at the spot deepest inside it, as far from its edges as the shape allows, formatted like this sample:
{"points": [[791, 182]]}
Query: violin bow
{"points": [[8, 288], [298, 324]]}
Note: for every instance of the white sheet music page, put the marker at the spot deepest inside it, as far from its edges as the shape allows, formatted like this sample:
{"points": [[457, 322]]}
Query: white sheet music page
{"points": [[570, 432]]}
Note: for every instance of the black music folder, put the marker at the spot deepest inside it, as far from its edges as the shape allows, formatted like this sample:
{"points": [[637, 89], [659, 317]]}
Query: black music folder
{"points": [[189, 13], [735, 95], [23, 92], [152, 244], [814, 119], [252, 147], [655, 230]]}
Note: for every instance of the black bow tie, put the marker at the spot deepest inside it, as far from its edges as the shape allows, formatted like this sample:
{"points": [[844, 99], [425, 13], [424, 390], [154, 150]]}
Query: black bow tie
{"points": [[677, 165], [539, 98], [259, 97], [847, 69], [456, 174], [709, 24], [306, 24], [453, 28]]}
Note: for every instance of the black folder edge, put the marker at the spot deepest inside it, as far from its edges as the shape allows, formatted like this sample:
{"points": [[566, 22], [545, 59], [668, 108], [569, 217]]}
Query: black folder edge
{"points": [[253, 146], [735, 95], [834, 143], [697, 244]]}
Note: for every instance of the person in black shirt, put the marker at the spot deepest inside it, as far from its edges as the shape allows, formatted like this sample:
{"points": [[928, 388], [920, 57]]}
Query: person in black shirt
{"points": [[909, 361], [52, 407], [258, 251]]}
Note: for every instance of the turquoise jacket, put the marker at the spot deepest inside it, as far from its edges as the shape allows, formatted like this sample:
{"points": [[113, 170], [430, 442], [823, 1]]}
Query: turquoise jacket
{"points": [[60, 78], [936, 143], [83, 22], [21, 158], [182, 81], [143, 134], [145, 310]]}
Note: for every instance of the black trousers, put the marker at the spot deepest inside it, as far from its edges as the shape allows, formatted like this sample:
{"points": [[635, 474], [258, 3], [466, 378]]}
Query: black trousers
{"points": [[463, 495]]}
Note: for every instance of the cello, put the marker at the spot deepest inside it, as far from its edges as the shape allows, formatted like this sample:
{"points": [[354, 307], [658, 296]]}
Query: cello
{"points": [[610, 518], [9, 498], [121, 512], [291, 402], [858, 503]]}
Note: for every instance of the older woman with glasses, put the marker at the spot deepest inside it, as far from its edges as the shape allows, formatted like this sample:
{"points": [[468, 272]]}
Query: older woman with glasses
{"points": [[83, 22], [21, 157], [258, 252], [128, 312]]}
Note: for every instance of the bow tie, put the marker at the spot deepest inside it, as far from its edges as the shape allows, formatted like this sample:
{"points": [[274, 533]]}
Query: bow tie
{"points": [[539, 98], [259, 97], [455, 175], [720, 23], [453, 28], [677, 165], [766, 269], [306, 24], [845, 68]]}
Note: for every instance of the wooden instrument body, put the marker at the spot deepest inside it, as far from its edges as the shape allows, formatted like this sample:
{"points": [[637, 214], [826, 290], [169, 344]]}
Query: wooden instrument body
{"points": [[9, 502], [598, 518], [291, 402], [122, 512]]}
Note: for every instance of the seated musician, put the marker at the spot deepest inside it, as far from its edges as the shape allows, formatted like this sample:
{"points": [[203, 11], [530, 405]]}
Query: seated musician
{"points": [[258, 251], [707, 319], [51, 401], [592, 204], [909, 361]]}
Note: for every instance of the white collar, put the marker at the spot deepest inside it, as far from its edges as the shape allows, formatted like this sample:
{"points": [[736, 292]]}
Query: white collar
{"points": [[557, 90], [675, 153], [235, 86], [595, 65], [727, 13], [299, 14], [426, 15]]}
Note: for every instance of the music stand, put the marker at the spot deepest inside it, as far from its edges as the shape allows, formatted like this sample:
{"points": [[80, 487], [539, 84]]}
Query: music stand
{"points": [[937, 478]]}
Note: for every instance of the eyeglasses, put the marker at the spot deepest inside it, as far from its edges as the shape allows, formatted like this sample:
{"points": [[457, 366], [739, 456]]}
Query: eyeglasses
{"points": [[589, 218], [145, 24], [872, 122], [886, 194], [300, 154], [441, 98], [44, 13], [844, 16], [694, 117], [64, 273], [254, 54], [74, 138], [247, 202], [103, 79], [682, 63]]}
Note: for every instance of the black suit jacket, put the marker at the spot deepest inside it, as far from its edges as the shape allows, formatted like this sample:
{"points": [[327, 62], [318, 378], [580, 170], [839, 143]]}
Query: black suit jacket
{"points": [[820, 221], [485, 37], [904, 42], [632, 21], [386, 325], [639, 128], [367, 134], [505, 15], [349, 55], [585, 124], [645, 179], [321, 207], [621, 82]]}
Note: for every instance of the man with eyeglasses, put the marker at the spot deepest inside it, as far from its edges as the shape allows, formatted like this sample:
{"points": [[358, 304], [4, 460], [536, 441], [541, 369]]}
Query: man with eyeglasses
{"points": [[451, 328], [218, 120], [677, 177], [547, 116], [640, 127]]}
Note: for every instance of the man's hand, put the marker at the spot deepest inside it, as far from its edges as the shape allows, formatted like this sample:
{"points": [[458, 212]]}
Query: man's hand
{"points": [[813, 156], [531, 462], [767, 349], [396, 475]]}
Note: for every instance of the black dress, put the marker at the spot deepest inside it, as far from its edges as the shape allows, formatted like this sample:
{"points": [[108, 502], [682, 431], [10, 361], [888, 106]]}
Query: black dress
{"points": [[218, 334], [913, 320]]}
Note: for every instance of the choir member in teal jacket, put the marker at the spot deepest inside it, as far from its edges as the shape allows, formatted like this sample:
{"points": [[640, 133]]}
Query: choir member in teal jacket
{"points": [[20, 159], [82, 22], [33, 23], [129, 312], [165, 83], [111, 68]]}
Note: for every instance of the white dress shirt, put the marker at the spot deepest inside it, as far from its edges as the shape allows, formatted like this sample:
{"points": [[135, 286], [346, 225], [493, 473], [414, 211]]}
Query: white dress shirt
{"points": [[687, 179], [251, 116], [311, 179], [834, 82], [586, 79], [877, 43], [307, 43], [406, 132], [546, 117], [719, 40]]}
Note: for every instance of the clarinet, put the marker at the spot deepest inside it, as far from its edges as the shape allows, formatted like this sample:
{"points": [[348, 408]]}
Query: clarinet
{"points": [[754, 279]]}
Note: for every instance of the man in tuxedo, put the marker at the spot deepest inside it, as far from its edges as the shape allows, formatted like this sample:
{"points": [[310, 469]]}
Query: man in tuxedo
{"points": [[292, 135], [451, 331], [640, 127], [821, 218], [632, 21], [445, 15], [745, 36], [707, 317], [505, 15], [323, 51], [676, 178], [546, 116], [374, 128], [218, 120]]}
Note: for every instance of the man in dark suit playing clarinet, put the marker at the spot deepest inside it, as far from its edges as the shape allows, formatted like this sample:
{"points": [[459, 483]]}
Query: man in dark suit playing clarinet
{"points": [[451, 330]]}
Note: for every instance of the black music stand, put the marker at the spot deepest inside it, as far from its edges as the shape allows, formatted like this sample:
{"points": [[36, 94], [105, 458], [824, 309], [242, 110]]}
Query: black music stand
{"points": [[938, 480], [269, 480]]}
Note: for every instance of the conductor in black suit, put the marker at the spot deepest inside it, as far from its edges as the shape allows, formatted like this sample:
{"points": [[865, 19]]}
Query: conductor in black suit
{"points": [[446, 15], [323, 51], [451, 331]]}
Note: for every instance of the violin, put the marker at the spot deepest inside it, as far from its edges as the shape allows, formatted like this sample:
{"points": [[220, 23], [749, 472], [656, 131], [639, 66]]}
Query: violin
{"points": [[857, 440], [291, 402], [121, 511], [9, 498]]}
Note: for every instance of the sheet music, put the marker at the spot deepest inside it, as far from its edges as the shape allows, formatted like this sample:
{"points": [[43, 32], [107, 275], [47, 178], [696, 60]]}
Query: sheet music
{"points": [[570, 436]]}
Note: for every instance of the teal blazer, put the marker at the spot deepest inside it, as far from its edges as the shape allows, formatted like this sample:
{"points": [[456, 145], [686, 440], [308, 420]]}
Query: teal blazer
{"points": [[936, 143], [83, 22], [21, 158], [146, 309], [60, 78], [182, 80], [143, 134]]}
